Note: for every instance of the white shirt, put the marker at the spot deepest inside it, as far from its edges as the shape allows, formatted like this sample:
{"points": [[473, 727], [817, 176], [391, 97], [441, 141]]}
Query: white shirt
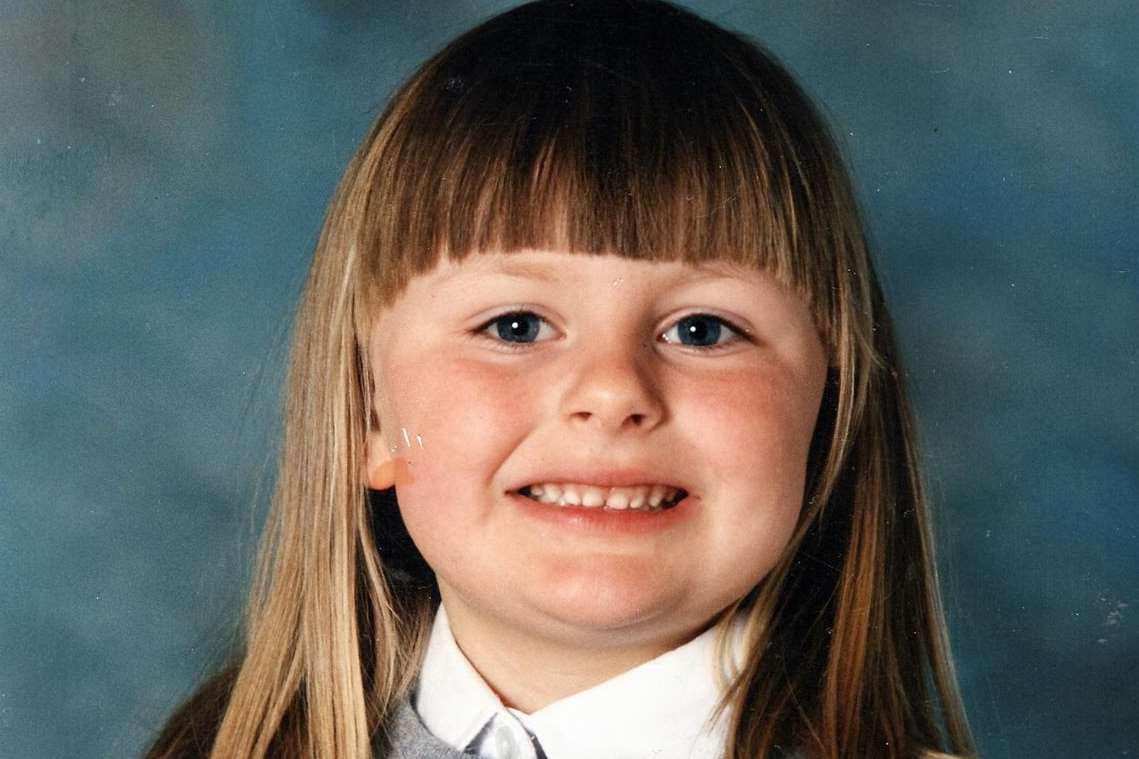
{"points": [[658, 709]]}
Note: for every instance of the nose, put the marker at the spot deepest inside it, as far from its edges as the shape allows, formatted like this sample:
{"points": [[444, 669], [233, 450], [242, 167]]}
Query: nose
{"points": [[614, 388]]}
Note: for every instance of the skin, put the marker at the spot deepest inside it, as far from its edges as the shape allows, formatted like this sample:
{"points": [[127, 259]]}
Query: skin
{"points": [[602, 379]]}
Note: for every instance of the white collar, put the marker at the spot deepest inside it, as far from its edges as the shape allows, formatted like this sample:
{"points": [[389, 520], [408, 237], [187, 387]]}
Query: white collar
{"points": [[656, 709]]}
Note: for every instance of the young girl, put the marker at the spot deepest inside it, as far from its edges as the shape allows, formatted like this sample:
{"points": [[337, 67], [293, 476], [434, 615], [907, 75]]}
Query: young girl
{"points": [[596, 438]]}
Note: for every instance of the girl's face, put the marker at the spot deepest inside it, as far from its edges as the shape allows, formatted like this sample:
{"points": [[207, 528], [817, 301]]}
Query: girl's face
{"points": [[547, 367]]}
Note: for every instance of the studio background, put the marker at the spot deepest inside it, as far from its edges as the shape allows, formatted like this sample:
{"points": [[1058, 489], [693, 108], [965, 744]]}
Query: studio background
{"points": [[164, 170]]}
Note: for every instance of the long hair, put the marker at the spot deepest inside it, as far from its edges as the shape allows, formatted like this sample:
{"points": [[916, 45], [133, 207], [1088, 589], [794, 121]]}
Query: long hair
{"points": [[626, 127]]}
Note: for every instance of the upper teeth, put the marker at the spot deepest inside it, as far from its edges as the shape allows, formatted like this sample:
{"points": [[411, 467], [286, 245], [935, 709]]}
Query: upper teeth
{"points": [[638, 497]]}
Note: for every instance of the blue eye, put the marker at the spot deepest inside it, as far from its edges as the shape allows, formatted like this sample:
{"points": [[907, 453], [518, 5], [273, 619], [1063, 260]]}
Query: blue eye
{"points": [[516, 328], [704, 330]]}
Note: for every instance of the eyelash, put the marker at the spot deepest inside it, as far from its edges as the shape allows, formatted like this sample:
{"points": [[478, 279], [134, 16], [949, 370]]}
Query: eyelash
{"points": [[739, 333]]}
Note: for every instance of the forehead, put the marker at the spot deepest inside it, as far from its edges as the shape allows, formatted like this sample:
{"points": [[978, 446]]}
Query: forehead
{"points": [[557, 267]]}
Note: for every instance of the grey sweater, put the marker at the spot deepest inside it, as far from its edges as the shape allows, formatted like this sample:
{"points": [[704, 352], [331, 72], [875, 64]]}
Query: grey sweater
{"points": [[406, 737]]}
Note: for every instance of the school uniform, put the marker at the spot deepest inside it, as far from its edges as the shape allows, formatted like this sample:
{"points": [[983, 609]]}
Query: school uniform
{"points": [[660, 709]]}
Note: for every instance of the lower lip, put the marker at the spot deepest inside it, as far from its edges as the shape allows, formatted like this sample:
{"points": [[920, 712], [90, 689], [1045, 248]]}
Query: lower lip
{"points": [[599, 520]]}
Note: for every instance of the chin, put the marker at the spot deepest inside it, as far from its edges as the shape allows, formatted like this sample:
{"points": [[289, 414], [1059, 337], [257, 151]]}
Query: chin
{"points": [[607, 596]]}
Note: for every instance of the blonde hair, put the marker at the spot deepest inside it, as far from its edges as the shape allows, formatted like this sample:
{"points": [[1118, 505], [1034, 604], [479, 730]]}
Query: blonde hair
{"points": [[631, 128]]}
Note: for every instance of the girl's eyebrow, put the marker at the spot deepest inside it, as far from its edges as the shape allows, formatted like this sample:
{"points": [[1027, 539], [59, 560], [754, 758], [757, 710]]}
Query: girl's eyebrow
{"points": [[484, 265], [548, 273]]}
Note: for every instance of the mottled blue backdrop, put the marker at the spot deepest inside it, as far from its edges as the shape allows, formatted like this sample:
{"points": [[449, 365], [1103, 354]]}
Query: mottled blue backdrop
{"points": [[164, 168]]}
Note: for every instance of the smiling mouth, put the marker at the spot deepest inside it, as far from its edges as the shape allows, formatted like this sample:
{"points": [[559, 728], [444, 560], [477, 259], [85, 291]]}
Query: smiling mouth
{"points": [[618, 499]]}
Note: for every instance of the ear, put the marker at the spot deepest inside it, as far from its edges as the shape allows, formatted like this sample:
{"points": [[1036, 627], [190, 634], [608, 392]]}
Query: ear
{"points": [[383, 468], [379, 467]]}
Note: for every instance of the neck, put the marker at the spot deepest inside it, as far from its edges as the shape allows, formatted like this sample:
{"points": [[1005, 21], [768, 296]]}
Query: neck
{"points": [[529, 670]]}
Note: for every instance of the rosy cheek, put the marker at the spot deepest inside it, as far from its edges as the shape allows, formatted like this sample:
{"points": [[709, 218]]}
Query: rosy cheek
{"points": [[751, 416], [466, 412], [496, 394]]}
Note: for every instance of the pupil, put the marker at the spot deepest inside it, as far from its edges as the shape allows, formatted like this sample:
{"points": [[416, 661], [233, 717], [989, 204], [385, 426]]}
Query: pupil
{"points": [[514, 327], [705, 331]]}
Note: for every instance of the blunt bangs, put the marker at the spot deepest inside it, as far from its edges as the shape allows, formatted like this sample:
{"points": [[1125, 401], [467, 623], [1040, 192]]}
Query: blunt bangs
{"points": [[630, 131]]}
